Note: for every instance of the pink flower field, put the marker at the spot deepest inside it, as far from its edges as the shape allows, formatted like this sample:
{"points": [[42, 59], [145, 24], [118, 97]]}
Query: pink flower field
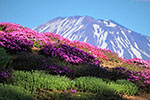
{"points": [[27, 50]]}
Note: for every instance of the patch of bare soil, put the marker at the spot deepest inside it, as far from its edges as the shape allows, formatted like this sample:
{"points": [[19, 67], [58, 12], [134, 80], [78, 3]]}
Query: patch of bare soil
{"points": [[138, 97], [35, 50]]}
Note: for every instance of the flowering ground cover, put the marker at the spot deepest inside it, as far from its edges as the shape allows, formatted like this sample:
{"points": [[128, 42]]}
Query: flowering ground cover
{"points": [[76, 68]]}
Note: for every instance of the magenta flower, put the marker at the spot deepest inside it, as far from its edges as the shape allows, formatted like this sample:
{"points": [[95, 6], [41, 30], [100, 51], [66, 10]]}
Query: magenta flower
{"points": [[73, 91], [4, 74], [147, 82]]}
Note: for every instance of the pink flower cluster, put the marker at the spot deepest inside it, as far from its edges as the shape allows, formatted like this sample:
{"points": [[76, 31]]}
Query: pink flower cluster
{"points": [[14, 41], [55, 69], [24, 32], [140, 78], [45, 38], [139, 62], [68, 53], [73, 91], [6, 75], [93, 50]]}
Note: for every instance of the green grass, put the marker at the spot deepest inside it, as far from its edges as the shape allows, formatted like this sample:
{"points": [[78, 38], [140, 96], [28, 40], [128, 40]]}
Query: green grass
{"points": [[124, 86], [10, 92], [43, 87], [4, 58], [37, 79], [95, 85]]}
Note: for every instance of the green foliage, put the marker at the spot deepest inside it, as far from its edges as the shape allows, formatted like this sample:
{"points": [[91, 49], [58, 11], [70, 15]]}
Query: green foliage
{"points": [[2, 28], [10, 92], [38, 79], [4, 58], [27, 61], [132, 67], [76, 70], [129, 87], [85, 69], [124, 87], [37, 44], [112, 56], [34, 81], [6, 75], [94, 84]]}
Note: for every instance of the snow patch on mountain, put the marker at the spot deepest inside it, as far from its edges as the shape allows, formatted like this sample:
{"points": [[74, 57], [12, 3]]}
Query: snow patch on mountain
{"points": [[136, 52], [103, 40], [102, 33], [110, 24]]}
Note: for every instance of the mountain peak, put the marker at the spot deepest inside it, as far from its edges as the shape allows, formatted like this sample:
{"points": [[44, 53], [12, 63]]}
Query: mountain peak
{"points": [[102, 33]]}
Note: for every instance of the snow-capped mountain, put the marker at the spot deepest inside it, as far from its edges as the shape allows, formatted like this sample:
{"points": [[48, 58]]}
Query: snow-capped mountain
{"points": [[102, 33]]}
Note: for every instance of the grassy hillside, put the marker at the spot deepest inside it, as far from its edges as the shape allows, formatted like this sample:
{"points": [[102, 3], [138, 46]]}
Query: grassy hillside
{"points": [[47, 66]]}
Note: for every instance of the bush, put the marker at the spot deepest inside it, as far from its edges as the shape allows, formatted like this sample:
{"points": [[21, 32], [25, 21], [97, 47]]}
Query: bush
{"points": [[10, 92], [14, 42], [125, 87], [5, 71], [97, 85], [27, 61], [140, 78], [35, 79], [91, 69], [6, 75], [56, 66], [37, 44], [4, 58], [68, 53], [85, 70], [91, 84], [57, 70]]}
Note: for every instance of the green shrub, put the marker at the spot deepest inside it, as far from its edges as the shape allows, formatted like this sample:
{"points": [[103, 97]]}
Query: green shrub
{"points": [[127, 87], [2, 28], [84, 69], [113, 56], [4, 58], [75, 70], [27, 61], [5, 71], [37, 44], [94, 84], [35, 80], [38, 79], [10, 92], [6, 75]]}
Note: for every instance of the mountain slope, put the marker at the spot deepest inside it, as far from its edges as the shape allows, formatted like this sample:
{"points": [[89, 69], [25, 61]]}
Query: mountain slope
{"points": [[102, 33]]}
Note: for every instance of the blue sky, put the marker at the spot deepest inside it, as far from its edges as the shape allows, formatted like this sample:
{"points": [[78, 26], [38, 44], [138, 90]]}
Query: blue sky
{"points": [[133, 14]]}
